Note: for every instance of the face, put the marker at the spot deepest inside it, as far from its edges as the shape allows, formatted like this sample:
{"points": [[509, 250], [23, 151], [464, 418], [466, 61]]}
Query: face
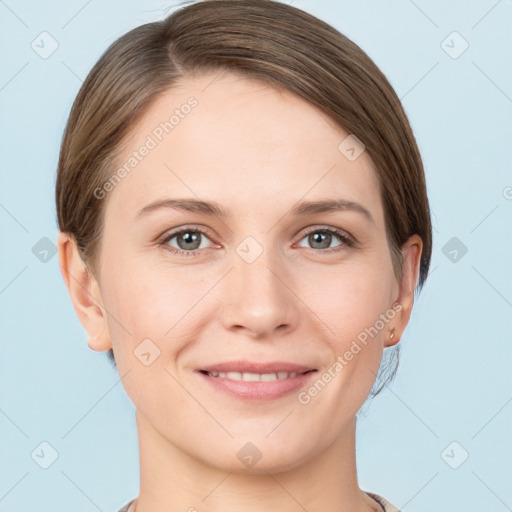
{"points": [[262, 281]]}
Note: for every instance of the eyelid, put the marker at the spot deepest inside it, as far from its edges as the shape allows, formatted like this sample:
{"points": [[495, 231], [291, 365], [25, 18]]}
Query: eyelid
{"points": [[332, 229], [345, 236], [176, 231]]}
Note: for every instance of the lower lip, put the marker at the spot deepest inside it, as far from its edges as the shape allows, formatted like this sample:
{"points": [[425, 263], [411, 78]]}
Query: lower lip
{"points": [[258, 390]]}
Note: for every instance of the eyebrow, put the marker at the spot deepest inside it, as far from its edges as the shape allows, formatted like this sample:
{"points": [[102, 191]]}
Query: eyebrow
{"points": [[215, 209]]}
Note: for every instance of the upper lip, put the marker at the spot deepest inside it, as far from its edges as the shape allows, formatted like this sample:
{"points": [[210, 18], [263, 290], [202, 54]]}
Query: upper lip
{"points": [[253, 367]]}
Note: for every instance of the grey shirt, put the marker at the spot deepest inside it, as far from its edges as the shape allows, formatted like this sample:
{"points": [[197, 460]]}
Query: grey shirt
{"points": [[386, 506]]}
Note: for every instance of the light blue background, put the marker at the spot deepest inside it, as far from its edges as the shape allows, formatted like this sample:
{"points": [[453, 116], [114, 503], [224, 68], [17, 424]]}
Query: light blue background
{"points": [[454, 382]]}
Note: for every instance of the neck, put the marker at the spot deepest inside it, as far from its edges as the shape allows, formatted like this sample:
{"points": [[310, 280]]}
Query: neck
{"points": [[171, 480]]}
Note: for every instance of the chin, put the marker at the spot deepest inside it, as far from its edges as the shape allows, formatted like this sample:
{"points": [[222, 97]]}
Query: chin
{"points": [[259, 457]]}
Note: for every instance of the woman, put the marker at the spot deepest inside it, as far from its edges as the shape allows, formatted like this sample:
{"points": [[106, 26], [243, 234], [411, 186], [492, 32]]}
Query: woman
{"points": [[274, 147]]}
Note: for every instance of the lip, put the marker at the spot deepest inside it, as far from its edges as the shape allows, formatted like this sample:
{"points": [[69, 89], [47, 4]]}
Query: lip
{"points": [[257, 390], [254, 367]]}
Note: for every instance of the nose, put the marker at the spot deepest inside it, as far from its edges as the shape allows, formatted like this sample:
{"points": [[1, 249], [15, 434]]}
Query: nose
{"points": [[258, 298]]}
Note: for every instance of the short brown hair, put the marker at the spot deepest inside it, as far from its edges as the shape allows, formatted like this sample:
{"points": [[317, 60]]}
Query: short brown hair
{"points": [[262, 39]]}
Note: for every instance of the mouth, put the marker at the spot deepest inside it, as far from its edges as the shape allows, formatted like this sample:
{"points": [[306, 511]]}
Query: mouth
{"points": [[255, 377], [257, 381]]}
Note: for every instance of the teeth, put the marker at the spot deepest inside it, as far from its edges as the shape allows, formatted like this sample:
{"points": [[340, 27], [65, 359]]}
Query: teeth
{"points": [[252, 377]]}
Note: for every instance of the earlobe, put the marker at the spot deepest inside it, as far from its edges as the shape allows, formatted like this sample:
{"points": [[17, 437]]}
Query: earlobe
{"points": [[84, 293], [411, 258]]}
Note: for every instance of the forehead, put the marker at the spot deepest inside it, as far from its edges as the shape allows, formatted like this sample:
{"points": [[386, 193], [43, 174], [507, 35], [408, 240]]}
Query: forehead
{"points": [[242, 143]]}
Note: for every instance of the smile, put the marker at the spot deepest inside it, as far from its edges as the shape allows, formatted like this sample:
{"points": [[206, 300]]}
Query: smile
{"points": [[256, 386], [254, 377]]}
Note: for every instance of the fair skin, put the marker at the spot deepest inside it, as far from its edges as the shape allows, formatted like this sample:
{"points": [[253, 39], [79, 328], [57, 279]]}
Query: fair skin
{"points": [[257, 152]]}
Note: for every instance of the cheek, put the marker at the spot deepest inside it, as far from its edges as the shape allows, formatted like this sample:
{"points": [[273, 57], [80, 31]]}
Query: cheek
{"points": [[355, 306], [349, 299], [154, 301]]}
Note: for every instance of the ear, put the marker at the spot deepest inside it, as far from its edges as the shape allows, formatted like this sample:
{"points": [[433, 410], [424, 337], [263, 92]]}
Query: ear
{"points": [[411, 258], [84, 292]]}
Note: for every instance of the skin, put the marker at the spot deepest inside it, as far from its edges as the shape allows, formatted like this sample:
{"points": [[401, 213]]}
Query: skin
{"points": [[256, 151]]}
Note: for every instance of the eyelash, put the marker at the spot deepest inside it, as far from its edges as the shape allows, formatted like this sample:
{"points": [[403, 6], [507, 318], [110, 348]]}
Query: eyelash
{"points": [[342, 235]]}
